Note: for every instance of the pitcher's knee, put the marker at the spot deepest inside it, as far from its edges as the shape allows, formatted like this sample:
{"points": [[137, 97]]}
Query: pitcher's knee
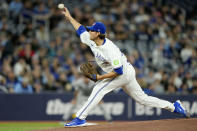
{"points": [[142, 99]]}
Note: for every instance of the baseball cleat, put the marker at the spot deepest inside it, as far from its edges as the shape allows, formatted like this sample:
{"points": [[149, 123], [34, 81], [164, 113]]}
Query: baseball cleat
{"points": [[76, 123], [179, 108]]}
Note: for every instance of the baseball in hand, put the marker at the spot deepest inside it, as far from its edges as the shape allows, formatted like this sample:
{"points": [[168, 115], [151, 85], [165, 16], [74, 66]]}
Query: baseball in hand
{"points": [[60, 6]]}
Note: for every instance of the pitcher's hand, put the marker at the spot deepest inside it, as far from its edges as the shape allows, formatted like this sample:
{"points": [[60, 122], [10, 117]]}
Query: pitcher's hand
{"points": [[66, 12]]}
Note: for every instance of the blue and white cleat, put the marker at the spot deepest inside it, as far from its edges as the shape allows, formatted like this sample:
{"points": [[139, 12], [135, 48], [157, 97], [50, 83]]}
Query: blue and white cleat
{"points": [[76, 123], [179, 108]]}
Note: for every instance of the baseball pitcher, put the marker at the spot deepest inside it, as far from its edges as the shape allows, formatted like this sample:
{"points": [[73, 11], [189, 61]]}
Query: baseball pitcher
{"points": [[119, 72]]}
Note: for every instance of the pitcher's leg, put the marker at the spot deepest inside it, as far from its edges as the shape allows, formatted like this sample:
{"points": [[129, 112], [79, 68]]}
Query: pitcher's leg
{"points": [[97, 94], [135, 91]]}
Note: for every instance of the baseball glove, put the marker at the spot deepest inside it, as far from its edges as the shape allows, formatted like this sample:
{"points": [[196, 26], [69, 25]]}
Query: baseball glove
{"points": [[88, 70]]}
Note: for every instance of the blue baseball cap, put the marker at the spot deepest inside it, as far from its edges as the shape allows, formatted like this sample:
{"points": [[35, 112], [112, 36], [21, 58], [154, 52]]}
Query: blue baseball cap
{"points": [[98, 27]]}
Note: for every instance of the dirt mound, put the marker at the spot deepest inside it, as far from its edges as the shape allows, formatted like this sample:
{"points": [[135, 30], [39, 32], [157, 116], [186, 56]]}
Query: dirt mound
{"points": [[156, 125]]}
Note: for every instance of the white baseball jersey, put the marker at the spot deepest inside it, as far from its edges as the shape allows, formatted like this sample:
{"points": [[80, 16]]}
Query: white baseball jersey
{"points": [[108, 56]]}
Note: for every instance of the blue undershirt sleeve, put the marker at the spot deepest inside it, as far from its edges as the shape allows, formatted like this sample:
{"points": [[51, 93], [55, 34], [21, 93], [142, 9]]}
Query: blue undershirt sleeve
{"points": [[80, 30], [119, 70]]}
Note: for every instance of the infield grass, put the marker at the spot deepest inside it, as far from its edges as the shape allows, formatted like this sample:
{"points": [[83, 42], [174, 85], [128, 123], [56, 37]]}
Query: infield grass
{"points": [[28, 126]]}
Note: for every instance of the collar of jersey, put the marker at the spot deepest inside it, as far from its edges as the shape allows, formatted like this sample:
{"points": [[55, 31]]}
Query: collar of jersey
{"points": [[104, 41]]}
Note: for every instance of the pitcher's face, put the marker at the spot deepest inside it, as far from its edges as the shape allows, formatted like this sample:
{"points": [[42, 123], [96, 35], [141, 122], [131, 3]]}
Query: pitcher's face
{"points": [[93, 35]]}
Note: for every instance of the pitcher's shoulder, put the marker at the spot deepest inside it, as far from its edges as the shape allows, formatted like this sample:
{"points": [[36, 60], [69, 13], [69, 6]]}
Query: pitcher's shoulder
{"points": [[110, 43]]}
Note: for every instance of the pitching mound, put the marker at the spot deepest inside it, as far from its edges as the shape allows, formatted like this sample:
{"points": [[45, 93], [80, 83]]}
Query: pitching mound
{"points": [[156, 125]]}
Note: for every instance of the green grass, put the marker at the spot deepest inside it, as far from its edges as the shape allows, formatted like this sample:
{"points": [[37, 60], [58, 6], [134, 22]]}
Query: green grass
{"points": [[27, 126]]}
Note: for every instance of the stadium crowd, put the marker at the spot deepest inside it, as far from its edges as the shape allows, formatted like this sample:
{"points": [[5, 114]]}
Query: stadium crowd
{"points": [[40, 51]]}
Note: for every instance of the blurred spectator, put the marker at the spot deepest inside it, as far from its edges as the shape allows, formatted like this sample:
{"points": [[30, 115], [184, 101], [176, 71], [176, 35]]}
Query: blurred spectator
{"points": [[20, 67], [171, 89], [27, 53], [8, 45], [37, 79], [29, 32], [3, 88], [48, 80], [27, 12], [42, 35], [11, 81], [36, 43], [194, 88], [23, 86], [41, 14], [15, 8], [186, 54], [157, 56]]}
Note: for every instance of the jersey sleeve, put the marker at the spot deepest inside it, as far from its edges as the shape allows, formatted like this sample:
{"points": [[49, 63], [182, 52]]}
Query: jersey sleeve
{"points": [[84, 36], [116, 63]]}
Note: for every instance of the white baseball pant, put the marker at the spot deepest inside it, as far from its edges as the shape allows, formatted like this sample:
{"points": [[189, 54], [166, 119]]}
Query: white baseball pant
{"points": [[131, 86]]}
